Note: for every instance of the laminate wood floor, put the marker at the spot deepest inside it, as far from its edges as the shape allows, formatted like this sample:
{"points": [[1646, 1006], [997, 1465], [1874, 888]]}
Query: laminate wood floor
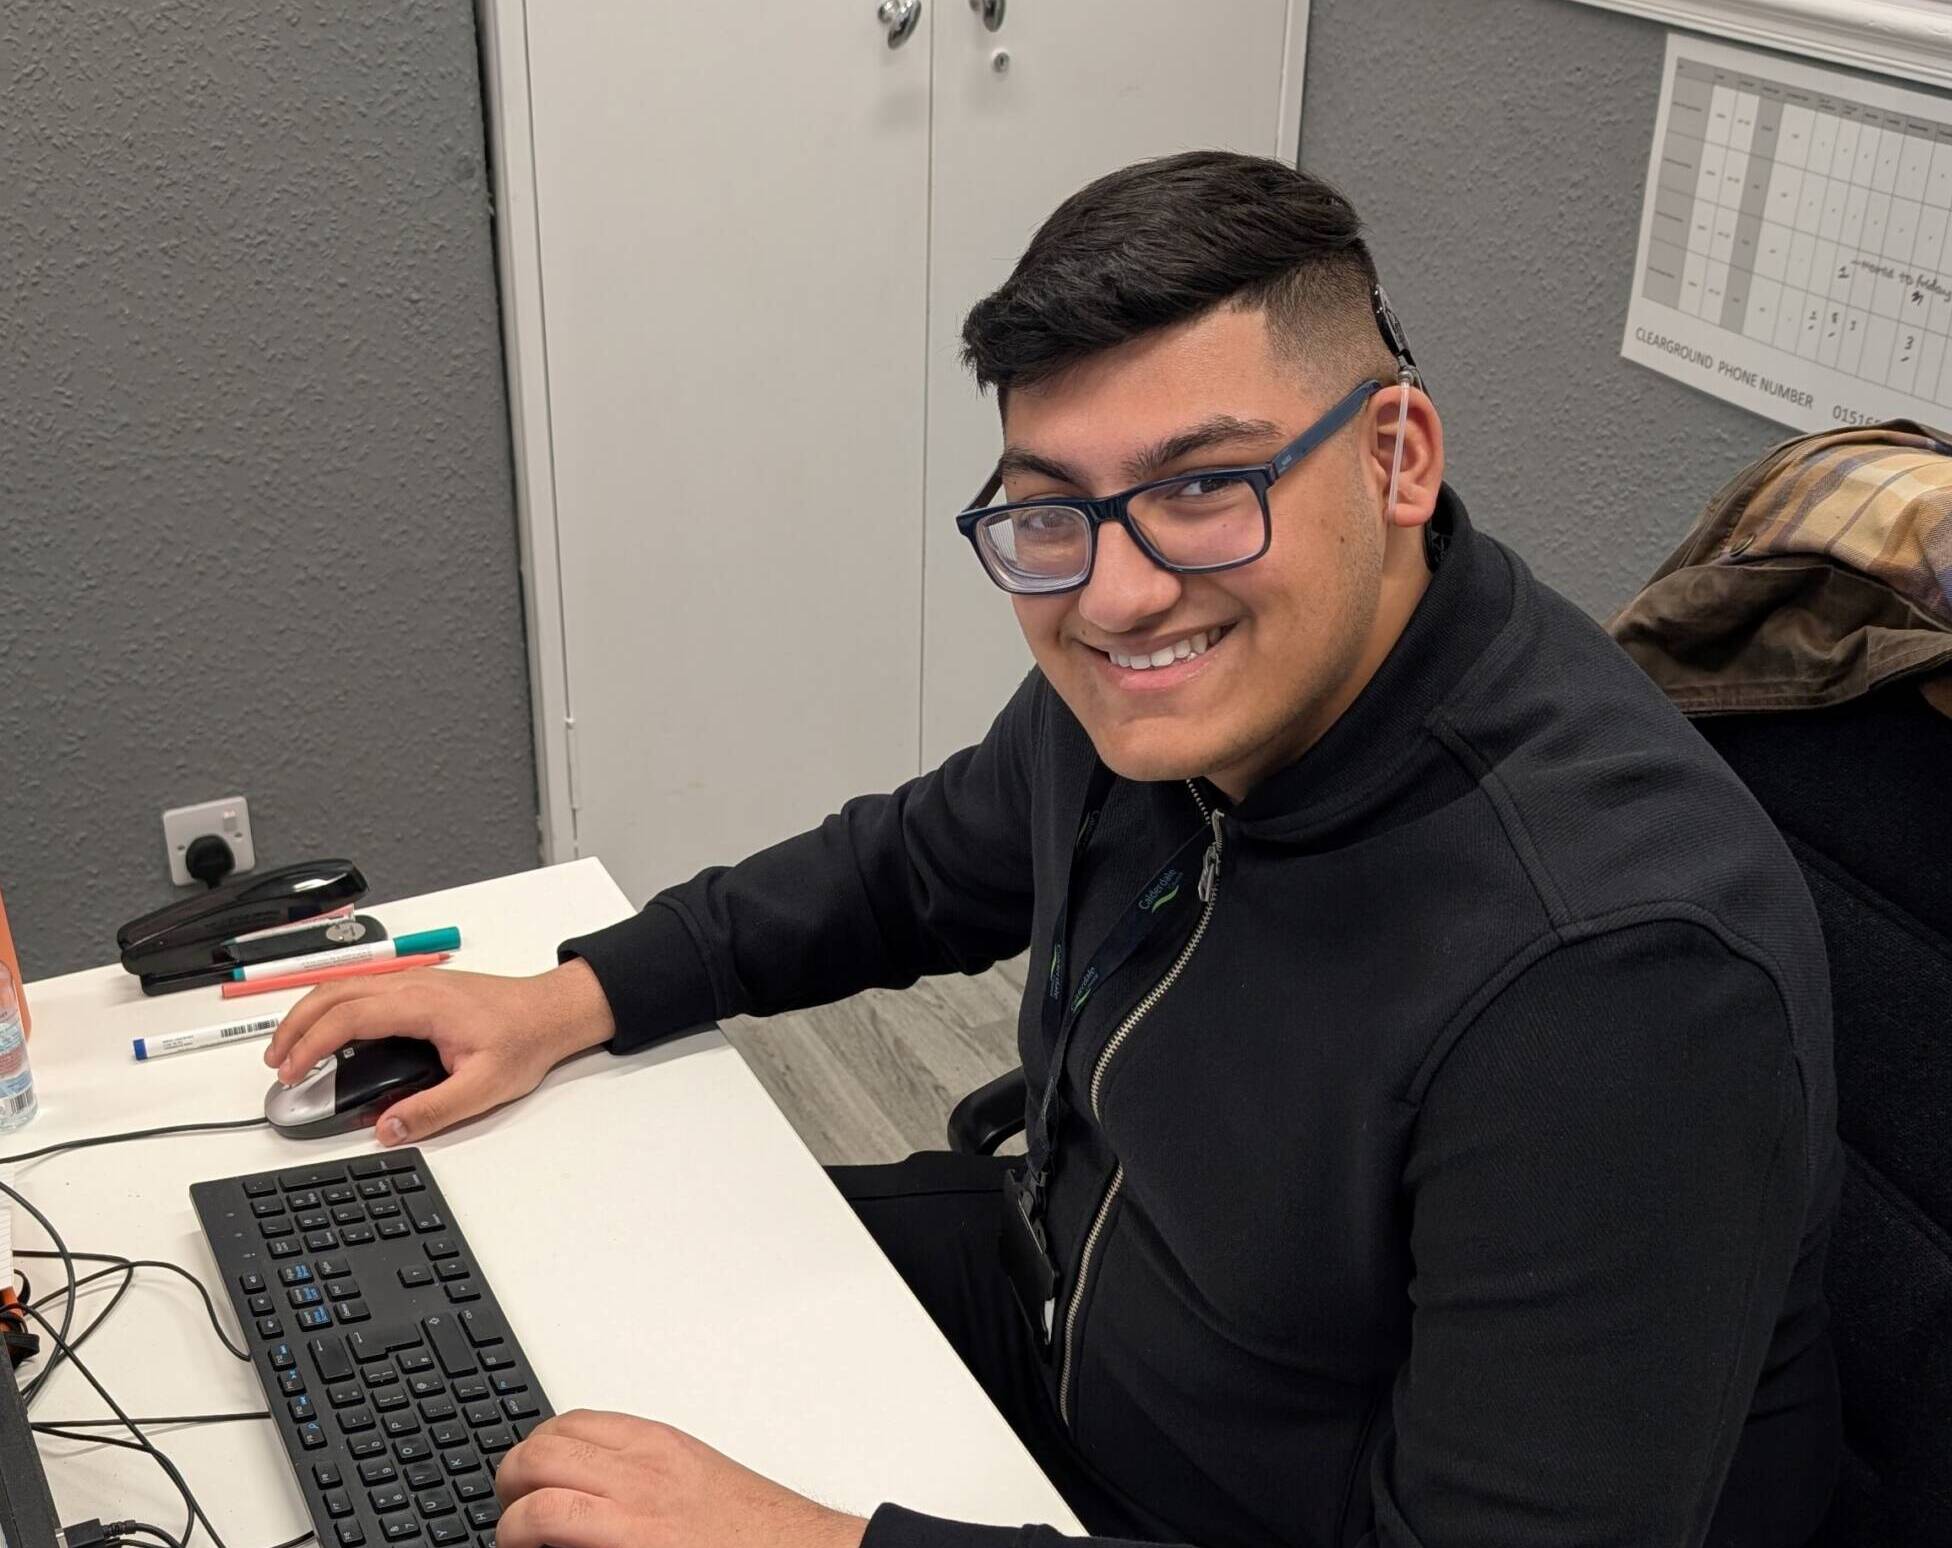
{"points": [[873, 1078]]}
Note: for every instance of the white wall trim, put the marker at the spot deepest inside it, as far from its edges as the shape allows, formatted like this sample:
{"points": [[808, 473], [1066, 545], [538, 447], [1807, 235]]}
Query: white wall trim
{"points": [[1294, 70], [1910, 39], [518, 257]]}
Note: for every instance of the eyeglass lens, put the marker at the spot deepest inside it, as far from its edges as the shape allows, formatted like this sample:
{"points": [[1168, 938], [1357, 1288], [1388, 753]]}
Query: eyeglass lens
{"points": [[1195, 523]]}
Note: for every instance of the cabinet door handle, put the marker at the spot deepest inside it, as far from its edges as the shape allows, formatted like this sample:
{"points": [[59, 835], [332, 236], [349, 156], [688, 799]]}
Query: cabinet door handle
{"points": [[900, 18], [990, 10]]}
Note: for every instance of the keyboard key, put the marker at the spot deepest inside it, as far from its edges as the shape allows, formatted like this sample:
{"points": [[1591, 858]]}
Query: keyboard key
{"points": [[334, 1268], [415, 1448], [519, 1407], [354, 1310], [389, 1400], [390, 1229], [483, 1513], [264, 1209], [510, 1382], [262, 1306], [306, 1295], [414, 1275], [463, 1290], [342, 1194], [311, 1177], [283, 1247], [524, 1428], [369, 1344], [453, 1268], [399, 1161], [373, 1445], [291, 1384], [441, 1247], [405, 1422], [462, 1460], [368, 1166], [250, 1284], [375, 1188], [450, 1345], [275, 1227], [326, 1475], [356, 1235], [347, 1214], [317, 1220], [384, 1209], [409, 1182], [338, 1504], [304, 1200], [330, 1359], [481, 1415], [351, 1534], [295, 1274], [495, 1440], [496, 1359], [314, 1317], [382, 1376], [470, 1390], [282, 1359], [448, 1434], [435, 1502], [342, 1290], [474, 1487], [447, 1532], [355, 1420], [423, 1475], [436, 1409], [414, 1361], [311, 1436], [260, 1187], [391, 1498], [397, 1529], [425, 1384], [270, 1327], [378, 1471], [425, 1219], [302, 1409], [481, 1328], [321, 1241], [345, 1395]]}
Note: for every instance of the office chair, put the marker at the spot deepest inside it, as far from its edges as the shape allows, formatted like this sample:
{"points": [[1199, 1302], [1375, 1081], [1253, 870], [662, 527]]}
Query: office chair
{"points": [[1860, 791]]}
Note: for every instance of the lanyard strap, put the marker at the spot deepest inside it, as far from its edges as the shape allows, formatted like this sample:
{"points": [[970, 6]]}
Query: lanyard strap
{"points": [[1063, 1006]]}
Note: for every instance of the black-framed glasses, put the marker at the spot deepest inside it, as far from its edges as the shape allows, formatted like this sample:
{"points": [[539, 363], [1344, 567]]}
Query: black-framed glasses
{"points": [[1191, 523]]}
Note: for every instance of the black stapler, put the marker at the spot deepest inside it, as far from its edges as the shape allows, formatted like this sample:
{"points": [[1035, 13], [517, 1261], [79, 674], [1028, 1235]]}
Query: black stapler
{"points": [[195, 940]]}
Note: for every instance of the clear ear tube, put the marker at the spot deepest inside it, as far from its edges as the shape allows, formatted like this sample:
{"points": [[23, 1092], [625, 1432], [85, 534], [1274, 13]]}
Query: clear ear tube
{"points": [[1396, 457]]}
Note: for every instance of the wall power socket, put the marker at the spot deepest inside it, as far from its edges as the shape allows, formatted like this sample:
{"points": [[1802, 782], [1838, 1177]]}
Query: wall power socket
{"points": [[228, 818]]}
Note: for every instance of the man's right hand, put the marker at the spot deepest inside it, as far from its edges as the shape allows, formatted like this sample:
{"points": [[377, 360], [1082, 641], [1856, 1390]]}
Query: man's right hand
{"points": [[497, 1037]]}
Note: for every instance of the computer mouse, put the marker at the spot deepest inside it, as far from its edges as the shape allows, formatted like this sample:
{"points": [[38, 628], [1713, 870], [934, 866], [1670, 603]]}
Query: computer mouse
{"points": [[352, 1088]]}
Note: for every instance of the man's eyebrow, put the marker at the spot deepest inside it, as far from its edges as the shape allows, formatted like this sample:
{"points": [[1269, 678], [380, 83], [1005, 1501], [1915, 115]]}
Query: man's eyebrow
{"points": [[1217, 431]]}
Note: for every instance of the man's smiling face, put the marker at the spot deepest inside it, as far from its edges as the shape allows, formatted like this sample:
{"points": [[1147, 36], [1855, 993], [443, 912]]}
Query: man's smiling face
{"points": [[1228, 675]]}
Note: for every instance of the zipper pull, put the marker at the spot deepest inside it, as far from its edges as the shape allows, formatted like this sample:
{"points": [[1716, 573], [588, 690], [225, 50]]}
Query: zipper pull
{"points": [[1210, 864]]}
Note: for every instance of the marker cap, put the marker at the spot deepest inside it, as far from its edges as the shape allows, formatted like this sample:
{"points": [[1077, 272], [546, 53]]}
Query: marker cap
{"points": [[427, 940]]}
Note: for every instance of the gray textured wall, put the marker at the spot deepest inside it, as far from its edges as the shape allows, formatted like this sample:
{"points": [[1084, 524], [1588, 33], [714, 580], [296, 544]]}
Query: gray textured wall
{"points": [[256, 521], [1497, 150]]}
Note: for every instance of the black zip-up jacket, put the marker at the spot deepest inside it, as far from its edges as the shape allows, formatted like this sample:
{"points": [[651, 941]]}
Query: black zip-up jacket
{"points": [[1471, 1182]]}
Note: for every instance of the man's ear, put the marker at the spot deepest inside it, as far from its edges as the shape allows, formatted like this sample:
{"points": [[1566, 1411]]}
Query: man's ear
{"points": [[1421, 472]]}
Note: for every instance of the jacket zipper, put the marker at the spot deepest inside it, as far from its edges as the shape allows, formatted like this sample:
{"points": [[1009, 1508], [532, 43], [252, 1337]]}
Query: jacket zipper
{"points": [[1209, 888]]}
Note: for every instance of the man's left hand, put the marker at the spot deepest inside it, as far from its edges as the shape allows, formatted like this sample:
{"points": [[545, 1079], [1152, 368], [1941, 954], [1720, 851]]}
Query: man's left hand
{"points": [[596, 1480]]}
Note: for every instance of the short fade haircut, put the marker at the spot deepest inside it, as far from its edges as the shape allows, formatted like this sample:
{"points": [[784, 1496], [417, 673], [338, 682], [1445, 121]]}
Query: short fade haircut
{"points": [[1166, 241]]}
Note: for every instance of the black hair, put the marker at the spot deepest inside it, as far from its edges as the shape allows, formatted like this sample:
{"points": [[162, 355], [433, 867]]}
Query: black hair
{"points": [[1165, 241]]}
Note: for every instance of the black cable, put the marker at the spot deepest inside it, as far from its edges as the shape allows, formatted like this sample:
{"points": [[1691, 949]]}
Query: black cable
{"points": [[136, 1134], [120, 1532], [209, 1305], [31, 1389], [143, 1443], [157, 1424]]}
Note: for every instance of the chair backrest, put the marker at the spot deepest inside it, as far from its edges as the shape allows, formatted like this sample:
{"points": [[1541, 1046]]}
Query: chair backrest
{"points": [[1863, 793]]}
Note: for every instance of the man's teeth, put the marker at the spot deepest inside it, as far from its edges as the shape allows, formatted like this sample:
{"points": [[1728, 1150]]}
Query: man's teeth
{"points": [[1193, 645]]}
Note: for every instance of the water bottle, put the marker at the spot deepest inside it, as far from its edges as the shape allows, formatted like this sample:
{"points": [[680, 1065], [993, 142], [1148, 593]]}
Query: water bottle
{"points": [[16, 1078]]}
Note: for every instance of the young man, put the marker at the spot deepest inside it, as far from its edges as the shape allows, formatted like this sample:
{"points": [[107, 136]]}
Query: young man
{"points": [[1431, 1115]]}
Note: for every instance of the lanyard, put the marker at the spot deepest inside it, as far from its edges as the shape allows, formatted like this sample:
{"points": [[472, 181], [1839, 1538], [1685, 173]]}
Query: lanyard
{"points": [[1063, 1005]]}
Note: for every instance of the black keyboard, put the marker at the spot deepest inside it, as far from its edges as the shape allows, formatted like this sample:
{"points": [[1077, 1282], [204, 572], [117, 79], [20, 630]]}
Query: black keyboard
{"points": [[389, 1368]]}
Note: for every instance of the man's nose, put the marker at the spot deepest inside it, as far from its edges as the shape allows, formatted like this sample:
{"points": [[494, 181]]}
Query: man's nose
{"points": [[1126, 588]]}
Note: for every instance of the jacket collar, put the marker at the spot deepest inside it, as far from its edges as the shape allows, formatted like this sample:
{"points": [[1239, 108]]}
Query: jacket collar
{"points": [[1372, 750]]}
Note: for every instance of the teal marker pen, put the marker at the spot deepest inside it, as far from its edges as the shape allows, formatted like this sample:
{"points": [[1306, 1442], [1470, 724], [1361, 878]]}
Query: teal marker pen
{"points": [[373, 951]]}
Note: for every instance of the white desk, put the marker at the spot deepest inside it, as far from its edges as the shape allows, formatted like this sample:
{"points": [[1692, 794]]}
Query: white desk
{"points": [[743, 1301]]}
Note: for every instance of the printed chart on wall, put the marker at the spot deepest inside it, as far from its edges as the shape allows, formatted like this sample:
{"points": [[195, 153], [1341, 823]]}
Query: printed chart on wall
{"points": [[1794, 254]]}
